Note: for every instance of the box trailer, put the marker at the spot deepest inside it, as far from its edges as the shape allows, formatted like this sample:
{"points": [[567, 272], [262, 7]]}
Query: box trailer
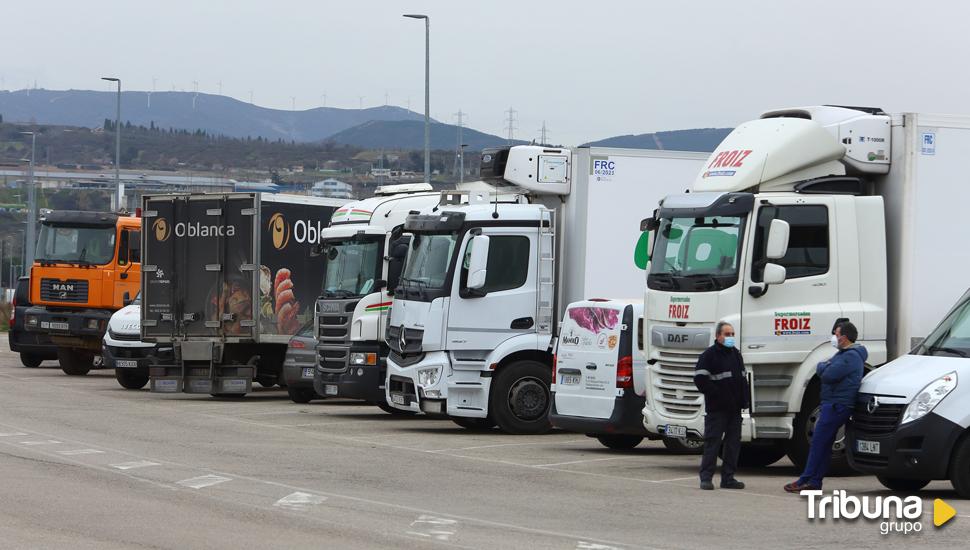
{"points": [[228, 279]]}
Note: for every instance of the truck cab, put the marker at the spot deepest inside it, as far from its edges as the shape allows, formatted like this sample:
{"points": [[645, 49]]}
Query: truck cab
{"points": [[86, 267]]}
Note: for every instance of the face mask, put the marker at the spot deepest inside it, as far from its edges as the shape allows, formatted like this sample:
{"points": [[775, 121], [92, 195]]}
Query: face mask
{"points": [[729, 341], [835, 341]]}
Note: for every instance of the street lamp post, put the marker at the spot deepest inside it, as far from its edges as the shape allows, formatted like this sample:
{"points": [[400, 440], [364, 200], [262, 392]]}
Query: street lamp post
{"points": [[116, 203], [427, 96], [29, 238]]}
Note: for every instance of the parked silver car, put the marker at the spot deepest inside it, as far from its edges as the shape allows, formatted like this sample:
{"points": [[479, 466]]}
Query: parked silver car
{"points": [[298, 366]]}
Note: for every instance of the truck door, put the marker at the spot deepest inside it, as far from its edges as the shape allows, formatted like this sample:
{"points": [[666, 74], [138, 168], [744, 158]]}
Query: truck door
{"points": [[159, 278], [508, 307], [791, 319]]}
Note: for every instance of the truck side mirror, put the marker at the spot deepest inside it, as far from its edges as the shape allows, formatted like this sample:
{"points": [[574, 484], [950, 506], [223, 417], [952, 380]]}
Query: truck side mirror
{"points": [[316, 250], [126, 299], [477, 261], [774, 274], [777, 240]]}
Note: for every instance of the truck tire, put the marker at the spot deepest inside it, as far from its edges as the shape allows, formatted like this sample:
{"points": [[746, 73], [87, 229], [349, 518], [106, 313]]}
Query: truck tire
{"points": [[131, 379], [684, 446], [519, 399], [392, 411], [30, 360], [75, 362], [619, 442], [960, 468], [473, 424], [301, 395], [805, 426], [759, 455], [902, 485]]}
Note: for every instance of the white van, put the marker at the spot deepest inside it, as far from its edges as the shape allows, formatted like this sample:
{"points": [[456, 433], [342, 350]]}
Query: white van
{"points": [[911, 423], [599, 374]]}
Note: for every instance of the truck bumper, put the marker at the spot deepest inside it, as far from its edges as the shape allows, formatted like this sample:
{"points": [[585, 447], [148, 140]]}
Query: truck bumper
{"points": [[917, 450], [81, 328], [455, 392], [627, 419], [364, 382]]}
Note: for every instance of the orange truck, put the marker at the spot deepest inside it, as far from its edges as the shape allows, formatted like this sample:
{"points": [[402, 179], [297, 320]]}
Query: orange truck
{"points": [[86, 267]]}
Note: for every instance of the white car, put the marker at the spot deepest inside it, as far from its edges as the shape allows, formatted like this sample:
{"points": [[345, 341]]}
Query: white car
{"points": [[911, 423], [123, 349]]}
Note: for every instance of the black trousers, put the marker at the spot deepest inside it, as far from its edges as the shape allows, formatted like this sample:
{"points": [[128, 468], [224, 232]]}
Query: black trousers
{"points": [[721, 427]]}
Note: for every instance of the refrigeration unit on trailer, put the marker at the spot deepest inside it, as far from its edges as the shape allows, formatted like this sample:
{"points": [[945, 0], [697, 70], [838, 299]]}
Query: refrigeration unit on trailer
{"points": [[362, 253], [228, 279], [488, 275], [798, 220]]}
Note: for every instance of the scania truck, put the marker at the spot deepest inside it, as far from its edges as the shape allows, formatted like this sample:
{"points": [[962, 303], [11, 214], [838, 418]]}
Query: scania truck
{"points": [[363, 254], [87, 267], [798, 220], [489, 273], [228, 279]]}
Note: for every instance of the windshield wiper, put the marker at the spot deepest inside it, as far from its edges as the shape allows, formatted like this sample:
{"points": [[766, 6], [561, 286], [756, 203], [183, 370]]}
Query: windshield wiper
{"points": [[666, 279], [711, 278], [420, 286], [944, 349], [338, 293]]}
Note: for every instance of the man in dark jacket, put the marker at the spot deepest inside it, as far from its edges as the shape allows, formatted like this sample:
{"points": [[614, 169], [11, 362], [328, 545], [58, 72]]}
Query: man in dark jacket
{"points": [[720, 376], [841, 377]]}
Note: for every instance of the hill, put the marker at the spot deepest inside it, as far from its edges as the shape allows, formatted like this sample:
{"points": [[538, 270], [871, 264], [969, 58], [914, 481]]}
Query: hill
{"points": [[215, 114], [409, 134], [700, 139]]}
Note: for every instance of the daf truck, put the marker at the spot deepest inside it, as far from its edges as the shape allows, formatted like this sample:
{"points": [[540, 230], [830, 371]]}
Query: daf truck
{"points": [[227, 281], [798, 220], [489, 273], [87, 266], [363, 254]]}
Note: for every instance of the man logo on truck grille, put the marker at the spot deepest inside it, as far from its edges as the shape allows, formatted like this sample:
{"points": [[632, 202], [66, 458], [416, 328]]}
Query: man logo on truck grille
{"points": [[161, 229], [280, 230]]}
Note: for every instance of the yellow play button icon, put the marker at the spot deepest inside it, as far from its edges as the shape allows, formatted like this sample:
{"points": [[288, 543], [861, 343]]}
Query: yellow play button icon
{"points": [[942, 512]]}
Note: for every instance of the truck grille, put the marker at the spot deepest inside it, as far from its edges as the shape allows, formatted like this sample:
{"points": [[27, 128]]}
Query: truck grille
{"points": [[882, 420], [673, 382], [411, 343], [71, 290], [333, 334]]}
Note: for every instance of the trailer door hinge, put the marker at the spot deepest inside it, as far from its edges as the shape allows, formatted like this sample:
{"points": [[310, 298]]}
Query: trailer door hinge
{"points": [[213, 267]]}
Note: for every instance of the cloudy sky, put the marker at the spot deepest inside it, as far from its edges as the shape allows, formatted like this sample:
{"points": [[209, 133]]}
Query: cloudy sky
{"points": [[588, 69]]}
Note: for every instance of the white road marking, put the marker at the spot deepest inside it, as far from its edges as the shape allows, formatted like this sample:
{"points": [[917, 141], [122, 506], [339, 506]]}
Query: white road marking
{"points": [[299, 501], [9, 434], [583, 461], [48, 442], [135, 464], [203, 481], [434, 527], [583, 545], [76, 452]]}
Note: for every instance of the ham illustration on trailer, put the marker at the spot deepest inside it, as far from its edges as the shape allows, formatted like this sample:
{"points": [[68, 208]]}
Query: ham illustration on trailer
{"points": [[286, 308]]}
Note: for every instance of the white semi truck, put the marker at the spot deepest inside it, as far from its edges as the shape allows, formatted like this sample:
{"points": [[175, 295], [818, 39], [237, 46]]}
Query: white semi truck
{"points": [[363, 253], [489, 274], [797, 220]]}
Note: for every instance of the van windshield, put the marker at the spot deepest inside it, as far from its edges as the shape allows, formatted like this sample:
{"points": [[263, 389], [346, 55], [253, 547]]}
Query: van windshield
{"points": [[952, 337], [696, 254]]}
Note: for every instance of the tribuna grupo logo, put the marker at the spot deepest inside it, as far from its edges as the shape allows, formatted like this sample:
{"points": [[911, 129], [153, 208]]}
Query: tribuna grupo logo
{"points": [[895, 514]]}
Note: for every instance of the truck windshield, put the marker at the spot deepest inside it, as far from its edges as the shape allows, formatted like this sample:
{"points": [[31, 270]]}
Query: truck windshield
{"points": [[351, 267], [952, 337], [80, 245], [696, 254], [428, 261]]}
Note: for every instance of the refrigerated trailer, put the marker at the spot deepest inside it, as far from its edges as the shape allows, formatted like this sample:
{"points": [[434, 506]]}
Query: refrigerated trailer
{"points": [[228, 279], [800, 219], [489, 274]]}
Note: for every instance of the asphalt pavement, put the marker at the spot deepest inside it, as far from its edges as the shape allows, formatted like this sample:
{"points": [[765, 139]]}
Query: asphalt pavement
{"points": [[85, 463]]}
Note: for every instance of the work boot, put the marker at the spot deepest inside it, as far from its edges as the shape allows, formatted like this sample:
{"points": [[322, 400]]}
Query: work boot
{"points": [[731, 484], [707, 485]]}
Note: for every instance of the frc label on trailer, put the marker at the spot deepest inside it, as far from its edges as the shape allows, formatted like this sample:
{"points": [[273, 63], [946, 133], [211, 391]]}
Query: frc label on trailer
{"points": [[789, 323], [602, 168], [679, 307]]}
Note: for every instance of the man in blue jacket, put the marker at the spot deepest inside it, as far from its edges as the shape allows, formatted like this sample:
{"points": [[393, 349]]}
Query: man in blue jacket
{"points": [[841, 377]]}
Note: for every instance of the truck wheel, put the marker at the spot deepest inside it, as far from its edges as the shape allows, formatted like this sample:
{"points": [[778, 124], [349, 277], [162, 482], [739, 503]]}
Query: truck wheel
{"points": [[301, 395], [473, 424], [75, 362], [804, 428], [684, 446], [131, 379], [619, 442], [902, 485], [759, 455], [392, 411], [519, 398], [960, 468], [30, 360]]}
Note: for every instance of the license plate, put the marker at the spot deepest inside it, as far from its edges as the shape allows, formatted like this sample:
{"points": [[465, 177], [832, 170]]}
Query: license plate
{"points": [[676, 431], [571, 379], [55, 326], [397, 399], [307, 372], [869, 447], [126, 363], [330, 389]]}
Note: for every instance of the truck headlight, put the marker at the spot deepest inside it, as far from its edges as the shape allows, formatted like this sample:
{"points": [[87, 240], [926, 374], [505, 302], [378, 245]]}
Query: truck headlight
{"points": [[929, 397], [31, 321], [363, 358], [428, 377], [92, 324]]}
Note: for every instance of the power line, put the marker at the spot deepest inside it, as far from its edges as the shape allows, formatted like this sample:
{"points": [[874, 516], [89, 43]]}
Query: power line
{"points": [[460, 151], [510, 128], [543, 136]]}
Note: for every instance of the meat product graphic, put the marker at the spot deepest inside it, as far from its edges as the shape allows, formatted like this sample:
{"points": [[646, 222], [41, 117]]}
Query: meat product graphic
{"points": [[286, 307], [595, 319]]}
